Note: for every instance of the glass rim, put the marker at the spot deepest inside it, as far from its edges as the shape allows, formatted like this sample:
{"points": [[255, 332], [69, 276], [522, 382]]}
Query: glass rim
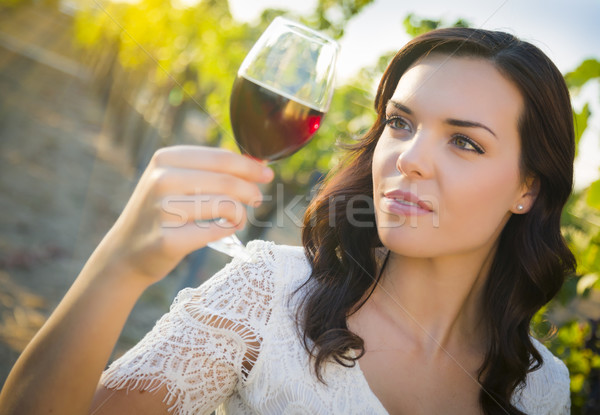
{"points": [[305, 28]]}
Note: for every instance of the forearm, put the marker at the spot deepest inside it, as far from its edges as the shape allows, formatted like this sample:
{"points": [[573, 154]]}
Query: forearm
{"points": [[59, 370]]}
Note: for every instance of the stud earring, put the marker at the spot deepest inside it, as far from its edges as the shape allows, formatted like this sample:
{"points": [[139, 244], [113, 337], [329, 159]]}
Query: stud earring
{"points": [[519, 207]]}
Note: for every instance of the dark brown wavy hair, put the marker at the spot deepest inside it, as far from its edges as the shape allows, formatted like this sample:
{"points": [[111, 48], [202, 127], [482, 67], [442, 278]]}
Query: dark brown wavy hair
{"points": [[532, 258]]}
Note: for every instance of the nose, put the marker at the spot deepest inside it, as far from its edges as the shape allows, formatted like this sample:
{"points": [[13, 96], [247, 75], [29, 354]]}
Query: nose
{"points": [[415, 162]]}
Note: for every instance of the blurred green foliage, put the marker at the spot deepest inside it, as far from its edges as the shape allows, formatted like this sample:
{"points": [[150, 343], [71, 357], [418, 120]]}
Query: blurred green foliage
{"points": [[416, 26], [574, 341], [8, 4], [331, 16], [577, 340], [588, 70], [11, 4], [192, 51], [195, 52]]}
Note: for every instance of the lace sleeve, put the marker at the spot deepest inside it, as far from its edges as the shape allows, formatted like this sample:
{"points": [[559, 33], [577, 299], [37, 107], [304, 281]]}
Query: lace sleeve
{"points": [[205, 346]]}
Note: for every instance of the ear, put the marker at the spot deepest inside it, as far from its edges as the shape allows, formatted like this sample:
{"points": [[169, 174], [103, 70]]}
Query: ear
{"points": [[528, 193]]}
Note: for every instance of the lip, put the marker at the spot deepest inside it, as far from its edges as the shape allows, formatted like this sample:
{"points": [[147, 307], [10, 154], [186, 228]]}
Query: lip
{"points": [[405, 203]]}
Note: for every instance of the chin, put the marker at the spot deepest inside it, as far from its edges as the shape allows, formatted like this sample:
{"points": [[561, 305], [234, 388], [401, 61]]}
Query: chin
{"points": [[405, 244]]}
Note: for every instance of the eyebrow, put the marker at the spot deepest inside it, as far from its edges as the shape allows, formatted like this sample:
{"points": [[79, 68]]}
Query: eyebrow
{"points": [[469, 124], [449, 121], [401, 107]]}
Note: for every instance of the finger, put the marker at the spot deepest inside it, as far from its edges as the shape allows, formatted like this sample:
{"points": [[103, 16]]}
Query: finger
{"points": [[177, 181], [213, 159], [178, 211]]}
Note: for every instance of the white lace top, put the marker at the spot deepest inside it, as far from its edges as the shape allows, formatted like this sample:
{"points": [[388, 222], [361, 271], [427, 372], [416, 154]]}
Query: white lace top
{"points": [[200, 351]]}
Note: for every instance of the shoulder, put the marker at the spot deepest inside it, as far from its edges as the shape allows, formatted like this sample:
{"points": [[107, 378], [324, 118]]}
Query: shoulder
{"points": [[283, 264], [270, 262], [546, 389], [243, 284]]}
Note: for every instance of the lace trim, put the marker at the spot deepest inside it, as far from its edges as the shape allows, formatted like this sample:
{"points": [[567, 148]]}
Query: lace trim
{"points": [[209, 341]]}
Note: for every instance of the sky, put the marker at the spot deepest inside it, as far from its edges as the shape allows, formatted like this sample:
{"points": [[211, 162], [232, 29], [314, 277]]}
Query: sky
{"points": [[568, 31], [565, 30]]}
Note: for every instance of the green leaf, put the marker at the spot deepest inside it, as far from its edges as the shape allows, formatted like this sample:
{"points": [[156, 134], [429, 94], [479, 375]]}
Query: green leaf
{"points": [[580, 122], [577, 382], [595, 363], [461, 23], [586, 282], [593, 195], [416, 26], [587, 70], [568, 291]]}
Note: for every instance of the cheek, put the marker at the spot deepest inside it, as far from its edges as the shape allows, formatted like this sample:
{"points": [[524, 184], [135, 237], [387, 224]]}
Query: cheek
{"points": [[480, 201], [384, 162], [376, 170], [381, 166]]}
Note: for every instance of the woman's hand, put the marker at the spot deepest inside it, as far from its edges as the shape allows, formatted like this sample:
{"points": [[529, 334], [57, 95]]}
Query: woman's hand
{"points": [[174, 208], [59, 370]]}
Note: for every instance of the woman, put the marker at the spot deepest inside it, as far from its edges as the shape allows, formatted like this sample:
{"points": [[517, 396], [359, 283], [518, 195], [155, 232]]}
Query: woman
{"points": [[425, 256]]}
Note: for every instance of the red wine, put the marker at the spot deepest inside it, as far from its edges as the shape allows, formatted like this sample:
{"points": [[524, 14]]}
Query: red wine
{"points": [[267, 125]]}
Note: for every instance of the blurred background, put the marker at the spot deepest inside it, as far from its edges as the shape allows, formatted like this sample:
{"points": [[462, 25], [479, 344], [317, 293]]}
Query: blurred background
{"points": [[90, 89]]}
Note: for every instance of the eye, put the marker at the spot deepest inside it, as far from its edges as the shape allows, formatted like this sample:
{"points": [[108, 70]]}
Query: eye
{"points": [[465, 143], [396, 122]]}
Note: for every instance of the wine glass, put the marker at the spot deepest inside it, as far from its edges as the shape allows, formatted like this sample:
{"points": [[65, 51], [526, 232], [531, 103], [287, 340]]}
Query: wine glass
{"points": [[282, 91]]}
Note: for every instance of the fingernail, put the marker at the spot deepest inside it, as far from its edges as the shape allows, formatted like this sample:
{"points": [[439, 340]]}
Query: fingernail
{"points": [[257, 200], [267, 173], [224, 223]]}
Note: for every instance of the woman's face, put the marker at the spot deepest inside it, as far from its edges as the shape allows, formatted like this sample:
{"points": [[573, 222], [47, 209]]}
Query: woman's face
{"points": [[446, 168]]}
